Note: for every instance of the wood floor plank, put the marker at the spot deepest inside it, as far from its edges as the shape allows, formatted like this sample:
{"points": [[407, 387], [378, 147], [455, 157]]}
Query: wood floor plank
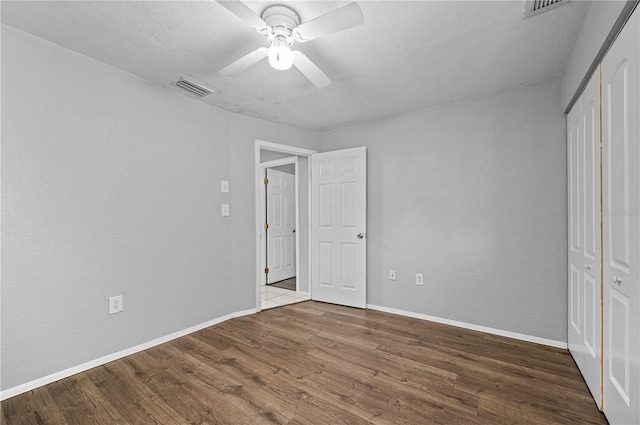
{"points": [[314, 364], [175, 389], [73, 406], [396, 373], [105, 413], [131, 398], [26, 405]]}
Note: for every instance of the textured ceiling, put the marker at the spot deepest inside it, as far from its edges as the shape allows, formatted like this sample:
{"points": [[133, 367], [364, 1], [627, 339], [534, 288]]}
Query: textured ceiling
{"points": [[406, 56]]}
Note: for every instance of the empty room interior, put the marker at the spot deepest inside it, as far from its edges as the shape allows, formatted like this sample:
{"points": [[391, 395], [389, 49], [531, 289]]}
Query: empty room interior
{"points": [[320, 212]]}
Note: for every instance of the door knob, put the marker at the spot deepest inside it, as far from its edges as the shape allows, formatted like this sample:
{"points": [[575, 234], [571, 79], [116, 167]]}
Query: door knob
{"points": [[587, 266], [617, 280], [360, 236]]}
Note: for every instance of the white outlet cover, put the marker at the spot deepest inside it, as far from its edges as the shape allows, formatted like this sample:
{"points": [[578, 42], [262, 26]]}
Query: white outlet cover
{"points": [[225, 210], [392, 275], [115, 304], [419, 279], [224, 186]]}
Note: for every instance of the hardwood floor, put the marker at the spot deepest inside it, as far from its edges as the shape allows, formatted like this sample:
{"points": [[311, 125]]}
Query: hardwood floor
{"points": [[312, 364]]}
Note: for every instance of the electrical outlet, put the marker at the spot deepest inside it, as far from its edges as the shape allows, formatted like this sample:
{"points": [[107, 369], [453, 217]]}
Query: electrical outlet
{"points": [[115, 304], [392, 275], [419, 279]]}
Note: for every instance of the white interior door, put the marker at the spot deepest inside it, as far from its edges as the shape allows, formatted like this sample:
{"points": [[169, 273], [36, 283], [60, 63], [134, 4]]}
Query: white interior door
{"points": [[621, 225], [281, 237], [583, 126], [339, 227]]}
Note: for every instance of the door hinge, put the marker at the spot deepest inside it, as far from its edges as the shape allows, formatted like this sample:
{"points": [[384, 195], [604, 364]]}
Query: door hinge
{"points": [[266, 181], [266, 226], [266, 270]]}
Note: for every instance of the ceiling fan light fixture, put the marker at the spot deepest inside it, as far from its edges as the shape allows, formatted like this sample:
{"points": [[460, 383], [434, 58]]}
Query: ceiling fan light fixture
{"points": [[280, 55], [282, 26]]}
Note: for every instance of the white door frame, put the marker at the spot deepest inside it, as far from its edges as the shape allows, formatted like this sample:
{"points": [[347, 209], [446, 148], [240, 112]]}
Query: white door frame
{"points": [[260, 236]]}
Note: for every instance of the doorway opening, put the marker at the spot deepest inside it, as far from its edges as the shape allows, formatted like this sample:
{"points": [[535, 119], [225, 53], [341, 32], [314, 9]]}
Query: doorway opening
{"points": [[283, 273]]}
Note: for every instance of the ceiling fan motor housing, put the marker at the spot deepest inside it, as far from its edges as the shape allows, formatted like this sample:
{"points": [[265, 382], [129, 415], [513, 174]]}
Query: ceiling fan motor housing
{"points": [[282, 21]]}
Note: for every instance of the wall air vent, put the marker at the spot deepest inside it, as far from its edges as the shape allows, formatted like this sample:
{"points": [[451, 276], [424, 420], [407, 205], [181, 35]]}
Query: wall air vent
{"points": [[535, 7], [195, 89]]}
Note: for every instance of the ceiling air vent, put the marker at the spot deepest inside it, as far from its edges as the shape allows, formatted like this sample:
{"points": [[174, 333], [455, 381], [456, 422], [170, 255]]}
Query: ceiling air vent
{"points": [[534, 7], [194, 89]]}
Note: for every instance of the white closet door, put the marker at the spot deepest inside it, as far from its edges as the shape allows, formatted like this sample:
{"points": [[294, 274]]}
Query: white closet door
{"points": [[583, 126], [621, 225]]}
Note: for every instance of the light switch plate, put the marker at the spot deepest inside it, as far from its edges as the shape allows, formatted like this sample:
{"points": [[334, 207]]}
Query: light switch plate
{"points": [[225, 210], [224, 186]]}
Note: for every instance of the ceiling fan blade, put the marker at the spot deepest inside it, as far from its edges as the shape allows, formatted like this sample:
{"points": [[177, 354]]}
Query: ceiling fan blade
{"points": [[310, 70], [243, 12], [337, 20], [245, 62]]}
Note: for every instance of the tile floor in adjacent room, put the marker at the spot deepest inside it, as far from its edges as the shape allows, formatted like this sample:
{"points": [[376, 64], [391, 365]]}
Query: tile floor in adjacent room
{"points": [[275, 297]]}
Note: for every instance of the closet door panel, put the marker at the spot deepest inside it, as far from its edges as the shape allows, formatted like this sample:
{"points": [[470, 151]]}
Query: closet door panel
{"points": [[574, 132], [591, 170], [591, 278], [585, 291], [621, 225], [591, 360]]}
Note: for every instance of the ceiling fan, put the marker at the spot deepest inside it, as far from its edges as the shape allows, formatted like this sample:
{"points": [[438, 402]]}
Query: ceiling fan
{"points": [[282, 27]]}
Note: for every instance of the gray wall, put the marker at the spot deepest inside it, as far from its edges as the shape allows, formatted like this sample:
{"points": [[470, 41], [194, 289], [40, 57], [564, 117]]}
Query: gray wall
{"points": [[111, 185], [473, 195], [288, 168], [267, 155]]}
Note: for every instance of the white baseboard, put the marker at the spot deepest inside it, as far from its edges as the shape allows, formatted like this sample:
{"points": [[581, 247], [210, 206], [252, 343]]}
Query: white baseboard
{"points": [[23, 388], [514, 335]]}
